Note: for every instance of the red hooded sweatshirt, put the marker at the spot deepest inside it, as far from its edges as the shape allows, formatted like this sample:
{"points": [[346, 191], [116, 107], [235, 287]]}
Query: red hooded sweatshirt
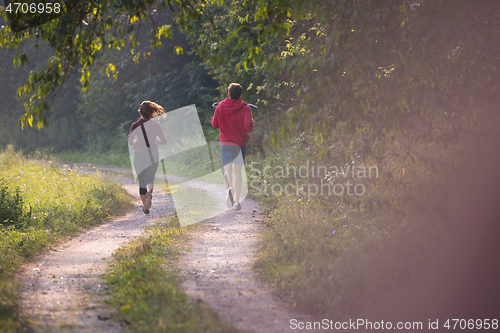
{"points": [[234, 118]]}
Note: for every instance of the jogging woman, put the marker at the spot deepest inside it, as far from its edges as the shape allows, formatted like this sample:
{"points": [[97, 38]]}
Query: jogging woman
{"points": [[145, 135]]}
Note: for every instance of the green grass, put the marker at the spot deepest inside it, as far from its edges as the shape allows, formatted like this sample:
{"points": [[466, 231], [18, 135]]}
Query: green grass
{"points": [[145, 286], [55, 205], [110, 158]]}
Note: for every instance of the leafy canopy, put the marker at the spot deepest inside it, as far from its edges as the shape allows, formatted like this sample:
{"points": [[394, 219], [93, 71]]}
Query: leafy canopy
{"points": [[373, 65]]}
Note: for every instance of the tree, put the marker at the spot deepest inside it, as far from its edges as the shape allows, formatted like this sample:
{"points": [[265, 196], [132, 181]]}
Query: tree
{"points": [[373, 65], [79, 39], [97, 119]]}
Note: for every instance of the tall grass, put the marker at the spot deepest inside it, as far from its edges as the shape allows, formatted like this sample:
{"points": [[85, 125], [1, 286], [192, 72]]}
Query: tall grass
{"points": [[52, 204], [343, 256]]}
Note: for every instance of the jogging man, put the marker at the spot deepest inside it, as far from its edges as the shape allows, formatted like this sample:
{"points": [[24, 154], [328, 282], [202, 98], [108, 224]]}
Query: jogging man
{"points": [[234, 119]]}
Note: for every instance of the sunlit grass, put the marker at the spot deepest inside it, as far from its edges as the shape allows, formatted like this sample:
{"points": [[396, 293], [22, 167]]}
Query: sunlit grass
{"points": [[56, 203], [110, 158]]}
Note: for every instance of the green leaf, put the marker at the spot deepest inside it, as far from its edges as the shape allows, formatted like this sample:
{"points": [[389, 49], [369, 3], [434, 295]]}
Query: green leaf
{"points": [[179, 50]]}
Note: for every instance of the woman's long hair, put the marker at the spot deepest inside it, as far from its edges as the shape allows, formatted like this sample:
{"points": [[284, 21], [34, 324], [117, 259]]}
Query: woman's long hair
{"points": [[150, 110]]}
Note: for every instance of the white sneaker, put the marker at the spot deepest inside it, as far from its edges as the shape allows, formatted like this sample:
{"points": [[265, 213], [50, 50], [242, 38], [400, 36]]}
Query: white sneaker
{"points": [[229, 198], [147, 203], [236, 206]]}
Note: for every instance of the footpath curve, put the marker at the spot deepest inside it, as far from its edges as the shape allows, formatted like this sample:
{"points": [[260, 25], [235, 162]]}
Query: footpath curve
{"points": [[63, 291], [217, 270]]}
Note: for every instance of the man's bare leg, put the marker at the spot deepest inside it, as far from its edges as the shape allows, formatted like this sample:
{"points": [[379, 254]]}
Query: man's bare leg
{"points": [[228, 171], [237, 182]]}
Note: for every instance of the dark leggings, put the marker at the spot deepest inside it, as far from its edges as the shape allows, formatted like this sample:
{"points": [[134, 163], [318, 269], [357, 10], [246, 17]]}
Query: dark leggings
{"points": [[142, 161]]}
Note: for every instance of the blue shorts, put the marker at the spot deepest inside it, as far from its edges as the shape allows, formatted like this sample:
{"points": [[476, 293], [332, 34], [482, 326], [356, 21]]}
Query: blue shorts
{"points": [[231, 154]]}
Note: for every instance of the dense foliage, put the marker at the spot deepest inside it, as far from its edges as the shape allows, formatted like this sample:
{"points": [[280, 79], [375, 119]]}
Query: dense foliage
{"points": [[374, 65], [98, 119]]}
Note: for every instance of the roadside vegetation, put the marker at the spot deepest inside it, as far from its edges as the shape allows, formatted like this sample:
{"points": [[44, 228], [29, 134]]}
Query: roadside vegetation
{"points": [[120, 159], [341, 255], [41, 205], [145, 285]]}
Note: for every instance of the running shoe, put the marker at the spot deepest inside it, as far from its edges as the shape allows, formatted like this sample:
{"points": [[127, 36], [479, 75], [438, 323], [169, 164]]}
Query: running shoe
{"points": [[147, 203], [236, 206], [229, 198], [145, 211]]}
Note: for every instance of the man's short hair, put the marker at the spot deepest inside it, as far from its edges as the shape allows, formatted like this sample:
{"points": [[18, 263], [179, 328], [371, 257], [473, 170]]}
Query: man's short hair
{"points": [[234, 90]]}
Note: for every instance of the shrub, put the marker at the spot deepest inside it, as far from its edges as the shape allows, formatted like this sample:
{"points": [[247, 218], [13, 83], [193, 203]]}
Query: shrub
{"points": [[11, 205]]}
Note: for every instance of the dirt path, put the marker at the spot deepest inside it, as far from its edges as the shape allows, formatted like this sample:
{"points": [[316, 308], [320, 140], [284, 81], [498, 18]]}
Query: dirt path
{"points": [[217, 271], [62, 289]]}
